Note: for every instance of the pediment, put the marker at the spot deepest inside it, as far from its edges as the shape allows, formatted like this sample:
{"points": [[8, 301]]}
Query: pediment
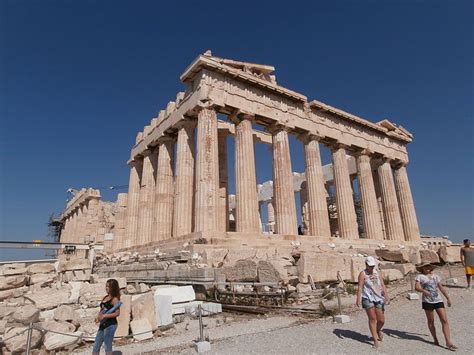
{"points": [[262, 71], [392, 127]]}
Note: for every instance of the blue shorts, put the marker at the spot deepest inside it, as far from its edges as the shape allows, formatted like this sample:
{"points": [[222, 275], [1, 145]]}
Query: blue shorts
{"points": [[366, 304]]}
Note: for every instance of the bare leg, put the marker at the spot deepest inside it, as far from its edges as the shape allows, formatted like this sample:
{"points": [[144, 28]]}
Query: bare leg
{"points": [[431, 325], [443, 317], [380, 321], [373, 325], [468, 278]]}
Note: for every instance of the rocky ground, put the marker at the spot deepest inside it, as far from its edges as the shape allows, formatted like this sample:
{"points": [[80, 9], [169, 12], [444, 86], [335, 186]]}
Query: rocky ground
{"points": [[60, 300], [405, 330]]}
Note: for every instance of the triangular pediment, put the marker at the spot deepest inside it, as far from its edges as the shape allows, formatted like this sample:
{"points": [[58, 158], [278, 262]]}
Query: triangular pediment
{"points": [[262, 71], [392, 127]]}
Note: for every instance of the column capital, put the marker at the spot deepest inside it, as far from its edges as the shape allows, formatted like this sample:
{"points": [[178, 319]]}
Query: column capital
{"points": [[166, 138], [238, 116], [363, 152], [136, 162], [205, 104], [147, 152], [397, 164], [277, 127], [308, 136], [186, 122], [337, 145]]}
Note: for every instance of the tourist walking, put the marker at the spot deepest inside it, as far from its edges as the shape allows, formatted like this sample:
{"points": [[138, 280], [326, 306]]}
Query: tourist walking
{"points": [[430, 286], [373, 296], [467, 259], [107, 317]]}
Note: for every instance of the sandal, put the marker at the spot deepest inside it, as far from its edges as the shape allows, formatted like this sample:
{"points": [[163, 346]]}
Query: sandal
{"points": [[452, 347]]}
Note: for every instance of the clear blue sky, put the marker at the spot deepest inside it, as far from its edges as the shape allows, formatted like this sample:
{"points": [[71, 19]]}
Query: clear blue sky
{"points": [[80, 78]]}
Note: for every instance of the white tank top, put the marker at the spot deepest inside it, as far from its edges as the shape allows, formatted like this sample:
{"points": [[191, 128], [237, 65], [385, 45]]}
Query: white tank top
{"points": [[372, 287]]}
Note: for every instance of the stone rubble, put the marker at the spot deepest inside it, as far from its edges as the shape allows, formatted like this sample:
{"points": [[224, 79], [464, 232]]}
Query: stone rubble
{"points": [[44, 296]]}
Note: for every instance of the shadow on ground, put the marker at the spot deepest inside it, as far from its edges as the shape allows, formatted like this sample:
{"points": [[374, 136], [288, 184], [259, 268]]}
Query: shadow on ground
{"points": [[400, 334], [346, 333]]}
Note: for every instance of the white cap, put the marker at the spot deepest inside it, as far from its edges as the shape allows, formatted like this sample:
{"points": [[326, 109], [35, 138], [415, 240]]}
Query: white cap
{"points": [[370, 261]]}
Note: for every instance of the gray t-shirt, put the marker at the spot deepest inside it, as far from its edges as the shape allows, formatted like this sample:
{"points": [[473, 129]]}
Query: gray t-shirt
{"points": [[430, 283], [468, 256]]}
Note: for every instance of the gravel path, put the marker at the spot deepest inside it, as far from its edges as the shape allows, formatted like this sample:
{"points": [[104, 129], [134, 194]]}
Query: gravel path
{"points": [[405, 333]]}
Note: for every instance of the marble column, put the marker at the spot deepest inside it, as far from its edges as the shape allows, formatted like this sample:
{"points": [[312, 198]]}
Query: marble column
{"points": [[407, 206], [65, 231], [164, 190], [304, 207], [207, 172], [368, 198], [246, 201], [93, 210], [184, 179], [318, 215], [271, 217], [119, 229], [391, 210], [87, 219], [72, 222], [79, 238], [146, 199], [131, 235], [346, 215], [283, 193], [260, 223], [223, 219], [378, 194]]}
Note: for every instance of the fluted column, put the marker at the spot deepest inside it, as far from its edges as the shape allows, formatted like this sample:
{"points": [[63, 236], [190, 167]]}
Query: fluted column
{"points": [[271, 216], [304, 207], [346, 216], [223, 219], [283, 193], [184, 179], [146, 199], [93, 210], [72, 222], [378, 193], [119, 229], [65, 230], [407, 206], [368, 198], [207, 172], [88, 218], [391, 210], [80, 224], [75, 226], [318, 215], [164, 197], [131, 235], [246, 201]]}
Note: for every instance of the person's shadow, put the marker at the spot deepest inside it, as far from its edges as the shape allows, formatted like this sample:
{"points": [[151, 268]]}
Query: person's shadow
{"points": [[346, 333], [405, 335]]}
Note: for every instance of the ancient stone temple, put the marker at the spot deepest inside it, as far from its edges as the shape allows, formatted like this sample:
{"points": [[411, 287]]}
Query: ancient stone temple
{"points": [[178, 185]]}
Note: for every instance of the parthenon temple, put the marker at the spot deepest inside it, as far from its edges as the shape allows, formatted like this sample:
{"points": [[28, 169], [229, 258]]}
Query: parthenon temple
{"points": [[178, 185]]}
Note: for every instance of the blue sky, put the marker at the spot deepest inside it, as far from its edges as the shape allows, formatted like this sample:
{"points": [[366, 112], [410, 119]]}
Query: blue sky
{"points": [[78, 79]]}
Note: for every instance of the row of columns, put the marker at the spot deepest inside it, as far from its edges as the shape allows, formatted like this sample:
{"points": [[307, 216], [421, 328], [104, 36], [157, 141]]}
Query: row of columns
{"points": [[164, 205], [81, 222], [400, 222]]}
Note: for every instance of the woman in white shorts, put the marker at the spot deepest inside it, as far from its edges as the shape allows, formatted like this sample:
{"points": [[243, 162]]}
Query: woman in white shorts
{"points": [[373, 296]]}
